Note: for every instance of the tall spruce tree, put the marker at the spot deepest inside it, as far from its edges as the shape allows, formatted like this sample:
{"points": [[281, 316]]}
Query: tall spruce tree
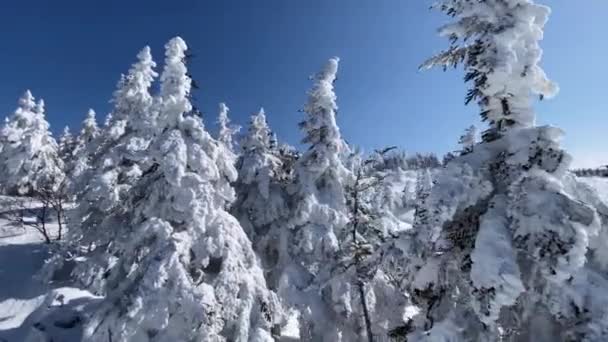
{"points": [[83, 152], [183, 268], [117, 157], [262, 204], [30, 160], [320, 212], [510, 236], [504, 76], [468, 140], [66, 146], [226, 130]]}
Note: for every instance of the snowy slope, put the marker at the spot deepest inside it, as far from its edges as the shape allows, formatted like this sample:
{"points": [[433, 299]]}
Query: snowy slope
{"points": [[22, 255], [25, 303]]}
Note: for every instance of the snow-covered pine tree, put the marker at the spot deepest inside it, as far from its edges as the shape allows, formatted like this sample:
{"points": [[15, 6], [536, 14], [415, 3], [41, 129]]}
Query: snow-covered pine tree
{"points": [[84, 149], [226, 130], [184, 269], [468, 140], [119, 156], [370, 304], [262, 201], [108, 120], [448, 157], [120, 152], [395, 195], [320, 213], [421, 161], [424, 184], [504, 77], [66, 146], [512, 249], [30, 158], [417, 239], [88, 133], [2, 137]]}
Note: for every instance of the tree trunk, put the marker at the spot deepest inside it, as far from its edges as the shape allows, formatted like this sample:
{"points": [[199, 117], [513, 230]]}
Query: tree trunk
{"points": [[368, 322], [59, 210], [360, 284], [43, 224]]}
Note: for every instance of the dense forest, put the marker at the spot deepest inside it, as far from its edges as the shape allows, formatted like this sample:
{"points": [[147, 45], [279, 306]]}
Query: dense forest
{"points": [[185, 236]]}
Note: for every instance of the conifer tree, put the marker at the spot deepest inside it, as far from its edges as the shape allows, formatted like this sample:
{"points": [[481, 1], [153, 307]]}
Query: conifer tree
{"points": [[320, 210], [88, 133], [118, 157], [184, 269], [371, 304], [108, 120], [509, 235], [29, 157], [504, 77], [468, 139], [262, 200], [84, 150], [226, 130], [66, 146]]}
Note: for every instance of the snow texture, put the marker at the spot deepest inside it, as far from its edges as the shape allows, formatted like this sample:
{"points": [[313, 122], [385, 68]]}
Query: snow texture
{"points": [[30, 159], [179, 267], [498, 43]]}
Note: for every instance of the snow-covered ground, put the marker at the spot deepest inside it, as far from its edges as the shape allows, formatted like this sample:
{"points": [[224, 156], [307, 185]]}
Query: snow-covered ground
{"points": [[29, 309]]}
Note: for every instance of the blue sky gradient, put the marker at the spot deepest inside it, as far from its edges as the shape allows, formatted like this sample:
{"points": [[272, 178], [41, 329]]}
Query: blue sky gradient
{"points": [[260, 53]]}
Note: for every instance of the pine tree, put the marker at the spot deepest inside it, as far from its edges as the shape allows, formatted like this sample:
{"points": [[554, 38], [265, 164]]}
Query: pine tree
{"points": [[2, 137], [183, 269], [262, 200], [509, 234], [108, 120], [30, 159], [448, 157], [394, 197], [320, 211], [468, 139], [89, 131], [226, 130], [83, 151], [504, 77], [372, 306], [66, 146], [118, 157]]}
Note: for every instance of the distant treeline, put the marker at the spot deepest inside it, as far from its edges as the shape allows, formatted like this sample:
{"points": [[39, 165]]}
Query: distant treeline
{"points": [[598, 172]]}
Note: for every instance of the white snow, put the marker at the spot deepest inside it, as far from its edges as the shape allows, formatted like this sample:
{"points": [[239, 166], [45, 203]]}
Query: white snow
{"points": [[174, 235], [29, 309]]}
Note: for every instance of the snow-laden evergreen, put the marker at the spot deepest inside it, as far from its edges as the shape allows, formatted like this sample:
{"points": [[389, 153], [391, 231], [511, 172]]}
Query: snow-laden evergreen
{"points": [[88, 133], [508, 235], [182, 268], [66, 146], [108, 120], [227, 131], [29, 158], [320, 214], [395, 195], [262, 205], [497, 41], [501, 243], [368, 304], [118, 157], [84, 149], [321, 174], [468, 140]]}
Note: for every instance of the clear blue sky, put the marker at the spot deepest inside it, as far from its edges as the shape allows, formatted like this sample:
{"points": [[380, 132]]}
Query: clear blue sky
{"points": [[260, 53]]}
